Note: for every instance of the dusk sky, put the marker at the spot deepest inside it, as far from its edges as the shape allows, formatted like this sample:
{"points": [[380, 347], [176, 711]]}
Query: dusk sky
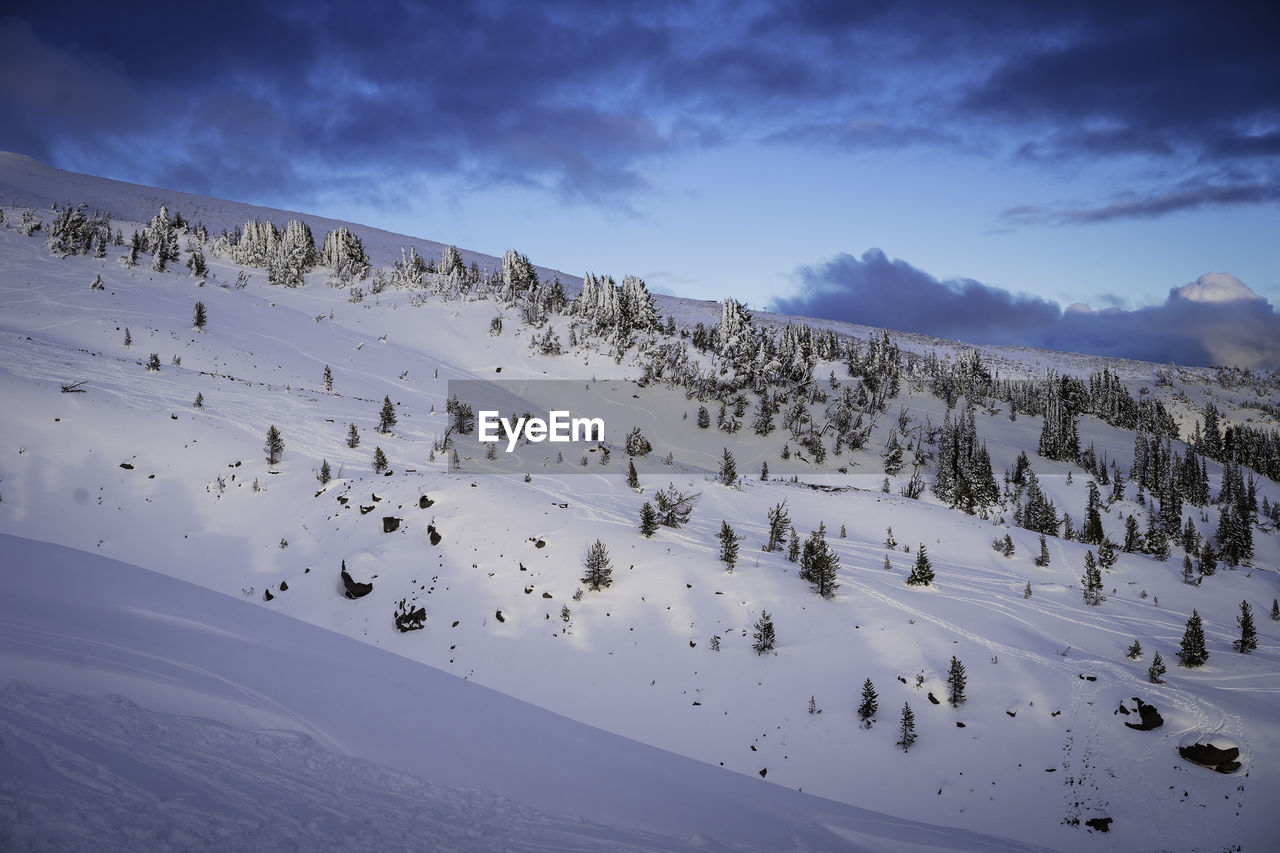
{"points": [[997, 161]]}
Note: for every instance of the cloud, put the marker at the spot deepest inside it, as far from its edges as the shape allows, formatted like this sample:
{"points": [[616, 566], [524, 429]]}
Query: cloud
{"points": [[1216, 319], [1147, 206]]}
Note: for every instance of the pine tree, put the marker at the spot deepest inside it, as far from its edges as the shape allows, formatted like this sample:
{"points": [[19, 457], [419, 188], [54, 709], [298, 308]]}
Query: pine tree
{"points": [[704, 417], [1092, 581], [200, 317], [325, 473], [867, 708], [956, 682], [1156, 670], [1043, 559], [1026, 593], [599, 571], [387, 417], [1275, 610], [764, 471], [728, 546], [889, 541], [922, 571], [819, 564], [1106, 554], [633, 479], [763, 634], [778, 521], [1135, 650], [328, 378], [153, 363], [379, 460], [1092, 531], [1188, 570], [1207, 563], [907, 728], [793, 549], [128, 338], [274, 446], [1193, 653], [1132, 539], [1248, 641], [728, 469], [648, 520], [353, 437]]}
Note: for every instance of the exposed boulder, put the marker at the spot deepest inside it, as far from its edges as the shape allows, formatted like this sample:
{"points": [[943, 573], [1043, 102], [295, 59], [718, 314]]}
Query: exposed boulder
{"points": [[1102, 824], [433, 534], [410, 618], [425, 502], [355, 589], [1215, 758], [1150, 717], [390, 524]]}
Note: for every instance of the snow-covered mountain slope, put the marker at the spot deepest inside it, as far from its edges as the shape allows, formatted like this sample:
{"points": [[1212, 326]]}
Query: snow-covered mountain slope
{"points": [[130, 470], [146, 713]]}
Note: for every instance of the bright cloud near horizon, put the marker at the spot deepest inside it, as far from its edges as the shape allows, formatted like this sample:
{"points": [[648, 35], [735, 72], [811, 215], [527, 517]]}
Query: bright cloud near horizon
{"points": [[1021, 157]]}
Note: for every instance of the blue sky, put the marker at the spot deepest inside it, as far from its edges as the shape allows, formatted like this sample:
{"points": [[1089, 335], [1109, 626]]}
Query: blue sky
{"points": [[1100, 153]]}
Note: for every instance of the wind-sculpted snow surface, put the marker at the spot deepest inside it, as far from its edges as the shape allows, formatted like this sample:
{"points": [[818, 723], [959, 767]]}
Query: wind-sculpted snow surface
{"points": [[142, 712]]}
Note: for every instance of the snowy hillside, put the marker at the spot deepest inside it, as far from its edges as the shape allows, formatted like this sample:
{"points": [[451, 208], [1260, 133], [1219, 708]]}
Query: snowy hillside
{"points": [[166, 504]]}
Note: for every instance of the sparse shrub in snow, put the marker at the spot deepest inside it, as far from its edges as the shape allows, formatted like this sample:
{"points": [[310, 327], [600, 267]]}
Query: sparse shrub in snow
{"points": [[495, 326], [153, 363], [355, 294], [199, 403]]}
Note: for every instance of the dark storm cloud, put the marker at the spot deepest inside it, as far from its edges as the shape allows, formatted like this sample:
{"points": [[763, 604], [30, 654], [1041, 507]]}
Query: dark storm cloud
{"points": [[876, 291], [579, 98], [1133, 206]]}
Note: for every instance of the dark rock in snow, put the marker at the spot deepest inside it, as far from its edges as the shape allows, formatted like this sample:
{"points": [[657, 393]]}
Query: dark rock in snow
{"points": [[934, 699], [424, 502], [266, 595], [355, 589], [500, 617], [1151, 718], [284, 586], [126, 466], [764, 772], [1208, 755], [546, 595], [390, 524], [409, 618], [1102, 824], [365, 510], [433, 534]]}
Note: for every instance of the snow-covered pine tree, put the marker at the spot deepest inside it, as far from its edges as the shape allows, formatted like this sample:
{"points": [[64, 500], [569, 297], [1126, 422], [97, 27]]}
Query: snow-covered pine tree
{"points": [[906, 728], [633, 479], [1106, 554], [1248, 641], [1192, 652], [1155, 672], [922, 571], [648, 519], [1135, 650], [328, 378], [1043, 559], [763, 634], [956, 682], [869, 704], [274, 446], [599, 570], [637, 444], [387, 416], [728, 546], [1091, 582], [379, 460]]}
